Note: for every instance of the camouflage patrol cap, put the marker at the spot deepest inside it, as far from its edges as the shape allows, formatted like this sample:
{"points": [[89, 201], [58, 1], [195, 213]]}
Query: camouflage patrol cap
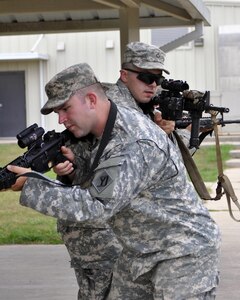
{"points": [[60, 88], [144, 56]]}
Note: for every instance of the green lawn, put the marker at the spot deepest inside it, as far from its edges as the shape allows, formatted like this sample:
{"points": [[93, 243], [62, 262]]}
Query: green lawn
{"points": [[18, 224], [21, 225], [205, 159]]}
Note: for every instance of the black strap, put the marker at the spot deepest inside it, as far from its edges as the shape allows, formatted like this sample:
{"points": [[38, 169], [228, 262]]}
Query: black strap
{"points": [[37, 175], [104, 141]]}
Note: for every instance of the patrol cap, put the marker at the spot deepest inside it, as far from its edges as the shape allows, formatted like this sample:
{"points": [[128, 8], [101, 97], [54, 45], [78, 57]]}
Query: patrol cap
{"points": [[60, 88], [144, 56]]}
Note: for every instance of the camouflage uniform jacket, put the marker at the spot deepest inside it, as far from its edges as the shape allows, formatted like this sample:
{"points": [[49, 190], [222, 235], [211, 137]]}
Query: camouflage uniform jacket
{"points": [[121, 95], [140, 187], [91, 245]]}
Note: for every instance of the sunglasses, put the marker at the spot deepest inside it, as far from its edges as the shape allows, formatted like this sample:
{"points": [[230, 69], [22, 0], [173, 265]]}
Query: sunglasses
{"points": [[148, 78]]}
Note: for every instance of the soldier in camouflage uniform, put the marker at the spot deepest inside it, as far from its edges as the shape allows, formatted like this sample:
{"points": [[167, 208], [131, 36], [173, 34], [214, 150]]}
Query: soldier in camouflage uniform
{"points": [[140, 77], [92, 246], [140, 188], [80, 238]]}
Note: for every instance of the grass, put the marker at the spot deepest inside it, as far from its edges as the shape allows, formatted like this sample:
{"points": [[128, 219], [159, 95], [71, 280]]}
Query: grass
{"points": [[18, 224], [205, 159], [22, 225]]}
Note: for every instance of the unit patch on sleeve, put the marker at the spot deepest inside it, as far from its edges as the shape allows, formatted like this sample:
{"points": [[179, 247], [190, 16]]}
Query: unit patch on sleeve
{"points": [[102, 181]]}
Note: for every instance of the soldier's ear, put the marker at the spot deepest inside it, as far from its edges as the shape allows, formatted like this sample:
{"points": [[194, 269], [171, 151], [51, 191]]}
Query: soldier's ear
{"points": [[124, 75], [91, 99]]}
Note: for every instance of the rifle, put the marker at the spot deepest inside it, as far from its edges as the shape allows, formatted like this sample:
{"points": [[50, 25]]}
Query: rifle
{"points": [[205, 123], [175, 98], [44, 152], [172, 102]]}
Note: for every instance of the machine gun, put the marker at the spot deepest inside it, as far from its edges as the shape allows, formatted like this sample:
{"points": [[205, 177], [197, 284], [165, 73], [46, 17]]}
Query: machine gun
{"points": [[44, 152], [175, 98]]}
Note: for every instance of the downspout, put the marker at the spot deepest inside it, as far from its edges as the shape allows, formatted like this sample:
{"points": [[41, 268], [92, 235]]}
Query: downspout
{"points": [[41, 80], [41, 91]]}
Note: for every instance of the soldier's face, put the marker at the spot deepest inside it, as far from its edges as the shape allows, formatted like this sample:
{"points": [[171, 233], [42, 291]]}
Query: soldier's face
{"points": [[77, 115], [142, 83]]}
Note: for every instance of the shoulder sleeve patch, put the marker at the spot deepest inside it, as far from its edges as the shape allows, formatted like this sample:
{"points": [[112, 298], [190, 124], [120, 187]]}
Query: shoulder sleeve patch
{"points": [[105, 177], [102, 180]]}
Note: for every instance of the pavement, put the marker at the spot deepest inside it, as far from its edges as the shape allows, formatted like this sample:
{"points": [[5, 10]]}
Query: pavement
{"points": [[230, 250], [42, 272]]}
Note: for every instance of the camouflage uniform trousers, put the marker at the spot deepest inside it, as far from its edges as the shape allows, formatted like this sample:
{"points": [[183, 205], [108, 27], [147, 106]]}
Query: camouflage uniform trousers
{"points": [[93, 253], [187, 278], [94, 284]]}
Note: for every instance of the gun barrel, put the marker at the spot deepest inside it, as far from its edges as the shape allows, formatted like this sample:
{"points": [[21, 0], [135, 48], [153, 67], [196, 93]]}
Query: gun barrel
{"points": [[205, 122], [231, 121], [217, 108]]}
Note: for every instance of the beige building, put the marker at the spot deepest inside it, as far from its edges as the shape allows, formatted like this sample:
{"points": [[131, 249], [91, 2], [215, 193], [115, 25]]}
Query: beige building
{"points": [[211, 63]]}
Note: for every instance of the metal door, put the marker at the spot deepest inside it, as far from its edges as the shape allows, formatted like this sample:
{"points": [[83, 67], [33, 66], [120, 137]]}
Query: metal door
{"points": [[12, 103]]}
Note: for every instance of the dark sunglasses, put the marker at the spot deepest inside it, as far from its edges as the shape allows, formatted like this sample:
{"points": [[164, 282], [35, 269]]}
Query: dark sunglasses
{"points": [[148, 78]]}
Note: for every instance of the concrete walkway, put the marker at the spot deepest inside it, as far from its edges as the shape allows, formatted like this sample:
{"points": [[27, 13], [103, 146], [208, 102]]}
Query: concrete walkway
{"points": [[230, 229], [36, 272], [43, 273]]}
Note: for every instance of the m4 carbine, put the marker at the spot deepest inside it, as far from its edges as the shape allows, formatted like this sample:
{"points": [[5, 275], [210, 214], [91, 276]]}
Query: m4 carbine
{"points": [[176, 98], [44, 152]]}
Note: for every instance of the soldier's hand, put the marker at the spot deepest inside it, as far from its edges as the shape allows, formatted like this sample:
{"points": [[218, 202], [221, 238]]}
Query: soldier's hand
{"points": [[166, 125], [18, 185], [68, 153], [65, 168]]}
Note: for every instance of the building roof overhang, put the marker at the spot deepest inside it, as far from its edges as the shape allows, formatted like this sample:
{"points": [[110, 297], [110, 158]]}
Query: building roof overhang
{"points": [[51, 16]]}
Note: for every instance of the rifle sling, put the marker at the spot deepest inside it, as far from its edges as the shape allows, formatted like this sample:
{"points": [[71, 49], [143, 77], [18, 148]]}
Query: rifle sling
{"points": [[104, 141], [192, 170], [223, 180]]}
